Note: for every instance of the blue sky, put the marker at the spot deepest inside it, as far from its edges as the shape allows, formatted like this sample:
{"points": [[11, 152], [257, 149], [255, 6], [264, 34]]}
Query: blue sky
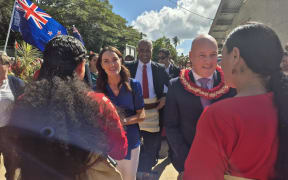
{"points": [[163, 17], [131, 9]]}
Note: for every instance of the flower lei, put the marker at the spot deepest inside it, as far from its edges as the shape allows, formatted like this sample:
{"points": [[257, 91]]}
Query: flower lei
{"points": [[210, 94]]}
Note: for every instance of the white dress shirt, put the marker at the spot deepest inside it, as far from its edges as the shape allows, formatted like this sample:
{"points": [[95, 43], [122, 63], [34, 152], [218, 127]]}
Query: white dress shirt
{"points": [[6, 102], [167, 69], [5, 91], [197, 77], [138, 77]]}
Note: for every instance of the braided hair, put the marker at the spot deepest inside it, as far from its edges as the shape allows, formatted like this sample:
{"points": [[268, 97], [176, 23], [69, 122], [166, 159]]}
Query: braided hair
{"points": [[261, 50], [61, 56]]}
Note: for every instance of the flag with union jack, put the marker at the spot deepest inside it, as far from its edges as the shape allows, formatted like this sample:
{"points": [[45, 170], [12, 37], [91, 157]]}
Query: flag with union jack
{"points": [[36, 26], [77, 35]]}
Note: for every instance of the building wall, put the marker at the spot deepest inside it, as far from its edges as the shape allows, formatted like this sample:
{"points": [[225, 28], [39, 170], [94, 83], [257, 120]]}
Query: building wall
{"points": [[271, 12]]}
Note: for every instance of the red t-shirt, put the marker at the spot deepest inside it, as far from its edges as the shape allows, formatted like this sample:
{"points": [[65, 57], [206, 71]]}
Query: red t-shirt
{"points": [[236, 136], [112, 126]]}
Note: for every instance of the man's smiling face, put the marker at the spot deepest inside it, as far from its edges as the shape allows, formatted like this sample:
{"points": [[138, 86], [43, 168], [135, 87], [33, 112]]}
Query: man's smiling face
{"points": [[203, 56]]}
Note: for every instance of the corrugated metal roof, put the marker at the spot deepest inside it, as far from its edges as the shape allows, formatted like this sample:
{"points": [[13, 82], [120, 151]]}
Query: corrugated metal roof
{"points": [[224, 19]]}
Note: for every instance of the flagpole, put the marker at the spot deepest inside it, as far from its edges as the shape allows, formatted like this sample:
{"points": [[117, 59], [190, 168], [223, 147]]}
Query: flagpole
{"points": [[10, 25]]}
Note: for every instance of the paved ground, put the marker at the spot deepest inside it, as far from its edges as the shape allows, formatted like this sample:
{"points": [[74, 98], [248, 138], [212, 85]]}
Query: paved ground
{"points": [[2, 169], [165, 170], [164, 167]]}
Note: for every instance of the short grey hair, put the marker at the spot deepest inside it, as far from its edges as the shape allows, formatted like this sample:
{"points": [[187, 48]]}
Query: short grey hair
{"points": [[145, 41]]}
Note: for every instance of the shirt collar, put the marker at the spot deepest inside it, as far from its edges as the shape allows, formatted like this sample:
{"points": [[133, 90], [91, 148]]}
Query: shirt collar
{"points": [[147, 64], [168, 67], [197, 77]]}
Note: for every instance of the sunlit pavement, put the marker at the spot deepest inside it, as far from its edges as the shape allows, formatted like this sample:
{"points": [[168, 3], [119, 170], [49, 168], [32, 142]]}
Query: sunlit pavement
{"points": [[165, 169], [2, 169]]}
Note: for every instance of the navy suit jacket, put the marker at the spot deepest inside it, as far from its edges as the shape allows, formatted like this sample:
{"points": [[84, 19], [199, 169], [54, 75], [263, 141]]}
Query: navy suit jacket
{"points": [[181, 113], [173, 71], [17, 86], [160, 77]]}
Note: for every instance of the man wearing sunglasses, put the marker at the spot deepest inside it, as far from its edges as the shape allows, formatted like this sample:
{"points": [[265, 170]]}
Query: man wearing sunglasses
{"points": [[164, 57]]}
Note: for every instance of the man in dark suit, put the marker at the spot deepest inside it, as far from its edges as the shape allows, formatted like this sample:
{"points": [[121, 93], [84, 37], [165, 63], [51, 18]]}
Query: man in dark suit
{"points": [[189, 94], [152, 77], [164, 57]]}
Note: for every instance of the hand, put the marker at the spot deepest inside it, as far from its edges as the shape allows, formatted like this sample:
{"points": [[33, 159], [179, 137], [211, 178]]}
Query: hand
{"points": [[161, 102], [124, 121]]}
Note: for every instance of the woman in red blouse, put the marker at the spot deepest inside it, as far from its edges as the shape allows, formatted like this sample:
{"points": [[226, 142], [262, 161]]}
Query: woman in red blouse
{"points": [[60, 128], [245, 136]]}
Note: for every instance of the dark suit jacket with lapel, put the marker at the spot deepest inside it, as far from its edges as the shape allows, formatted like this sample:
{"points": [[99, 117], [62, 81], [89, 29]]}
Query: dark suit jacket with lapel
{"points": [[173, 71], [181, 114], [160, 77]]}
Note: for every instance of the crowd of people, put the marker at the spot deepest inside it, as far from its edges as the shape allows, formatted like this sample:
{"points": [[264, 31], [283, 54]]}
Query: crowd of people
{"points": [[222, 120]]}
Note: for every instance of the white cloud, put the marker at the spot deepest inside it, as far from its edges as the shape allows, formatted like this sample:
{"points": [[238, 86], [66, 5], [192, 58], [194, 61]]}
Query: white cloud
{"points": [[180, 50], [177, 21]]}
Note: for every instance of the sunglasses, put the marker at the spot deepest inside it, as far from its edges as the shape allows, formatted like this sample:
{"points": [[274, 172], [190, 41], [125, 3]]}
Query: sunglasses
{"points": [[162, 57]]}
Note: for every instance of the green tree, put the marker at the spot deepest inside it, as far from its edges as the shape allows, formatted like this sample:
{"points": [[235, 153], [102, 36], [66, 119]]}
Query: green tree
{"points": [[5, 14], [176, 41], [163, 43], [96, 22], [94, 19], [182, 60]]}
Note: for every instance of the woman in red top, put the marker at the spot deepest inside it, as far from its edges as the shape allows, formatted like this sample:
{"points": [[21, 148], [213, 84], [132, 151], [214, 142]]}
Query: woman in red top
{"points": [[60, 128], [245, 136]]}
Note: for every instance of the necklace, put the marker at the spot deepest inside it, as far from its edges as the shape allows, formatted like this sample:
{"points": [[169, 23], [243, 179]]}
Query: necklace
{"points": [[191, 87]]}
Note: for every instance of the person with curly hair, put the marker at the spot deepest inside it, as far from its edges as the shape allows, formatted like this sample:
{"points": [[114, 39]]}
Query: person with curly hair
{"points": [[245, 137], [59, 127], [126, 93]]}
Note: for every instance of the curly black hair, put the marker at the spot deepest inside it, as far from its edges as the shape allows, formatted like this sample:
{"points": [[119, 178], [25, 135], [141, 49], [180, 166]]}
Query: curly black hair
{"points": [[61, 56], [55, 127]]}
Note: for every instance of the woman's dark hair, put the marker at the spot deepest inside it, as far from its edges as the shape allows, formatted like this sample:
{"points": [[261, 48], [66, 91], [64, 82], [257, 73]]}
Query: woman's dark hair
{"points": [[55, 127], [91, 56], [261, 50], [61, 56], [102, 79]]}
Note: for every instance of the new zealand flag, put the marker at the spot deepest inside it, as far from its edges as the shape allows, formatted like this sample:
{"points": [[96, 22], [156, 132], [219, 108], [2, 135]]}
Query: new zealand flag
{"points": [[77, 35], [36, 26]]}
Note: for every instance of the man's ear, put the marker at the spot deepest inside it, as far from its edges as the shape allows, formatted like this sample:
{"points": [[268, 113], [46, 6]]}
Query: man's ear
{"points": [[80, 70]]}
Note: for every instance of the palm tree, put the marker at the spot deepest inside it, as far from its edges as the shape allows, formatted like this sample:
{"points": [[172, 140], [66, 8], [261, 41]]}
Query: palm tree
{"points": [[27, 61], [176, 41]]}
